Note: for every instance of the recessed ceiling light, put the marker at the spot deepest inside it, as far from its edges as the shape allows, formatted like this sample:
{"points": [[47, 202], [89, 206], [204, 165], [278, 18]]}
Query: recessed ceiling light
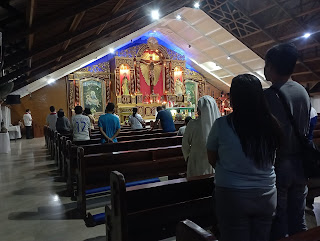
{"points": [[228, 57], [307, 35], [154, 31], [196, 5], [178, 17], [155, 14], [111, 50]]}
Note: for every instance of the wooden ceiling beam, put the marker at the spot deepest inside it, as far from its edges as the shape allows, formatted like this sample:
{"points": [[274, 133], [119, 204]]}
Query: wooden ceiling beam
{"points": [[118, 6], [113, 11], [266, 32], [30, 16], [41, 69], [71, 49], [260, 10], [55, 18], [20, 56], [73, 27], [289, 19]]}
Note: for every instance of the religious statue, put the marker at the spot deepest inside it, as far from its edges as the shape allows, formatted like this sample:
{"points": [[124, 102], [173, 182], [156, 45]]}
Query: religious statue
{"points": [[125, 85], [91, 99], [179, 88]]}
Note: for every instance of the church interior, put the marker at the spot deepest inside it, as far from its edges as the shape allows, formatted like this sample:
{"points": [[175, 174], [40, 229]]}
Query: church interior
{"points": [[139, 55]]}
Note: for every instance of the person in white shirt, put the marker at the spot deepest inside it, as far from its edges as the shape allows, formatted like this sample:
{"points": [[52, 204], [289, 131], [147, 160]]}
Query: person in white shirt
{"points": [[135, 120], [80, 125], [183, 128], [27, 119], [52, 118]]}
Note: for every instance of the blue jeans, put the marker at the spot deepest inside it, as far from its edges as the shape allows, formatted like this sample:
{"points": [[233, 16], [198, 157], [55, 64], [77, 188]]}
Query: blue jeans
{"points": [[291, 199]]}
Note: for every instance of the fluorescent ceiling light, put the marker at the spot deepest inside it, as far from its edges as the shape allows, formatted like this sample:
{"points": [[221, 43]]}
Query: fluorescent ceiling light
{"points": [[211, 66]]}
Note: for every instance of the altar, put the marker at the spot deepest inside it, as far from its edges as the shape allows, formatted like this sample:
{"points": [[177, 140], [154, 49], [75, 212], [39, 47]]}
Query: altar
{"points": [[145, 76]]}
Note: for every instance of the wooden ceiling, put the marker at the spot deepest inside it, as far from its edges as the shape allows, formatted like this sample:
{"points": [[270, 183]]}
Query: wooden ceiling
{"points": [[41, 36]]}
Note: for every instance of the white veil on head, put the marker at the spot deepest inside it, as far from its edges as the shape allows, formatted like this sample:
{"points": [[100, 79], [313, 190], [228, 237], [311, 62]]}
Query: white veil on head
{"points": [[209, 113]]}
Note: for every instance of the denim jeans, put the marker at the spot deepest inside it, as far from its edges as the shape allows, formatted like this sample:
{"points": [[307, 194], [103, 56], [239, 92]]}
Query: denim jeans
{"points": [[245, 214], [291, 192]]}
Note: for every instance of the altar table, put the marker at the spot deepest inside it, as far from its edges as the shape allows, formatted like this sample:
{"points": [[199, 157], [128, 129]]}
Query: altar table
{"points": [[14, 132]]}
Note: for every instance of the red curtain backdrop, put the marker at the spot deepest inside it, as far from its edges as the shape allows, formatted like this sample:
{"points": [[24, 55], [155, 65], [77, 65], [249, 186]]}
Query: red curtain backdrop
{"points": [[145, 89]]}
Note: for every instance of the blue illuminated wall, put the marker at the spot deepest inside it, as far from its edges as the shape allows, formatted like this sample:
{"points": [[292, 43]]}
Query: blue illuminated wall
{"points": [[162, 40]]}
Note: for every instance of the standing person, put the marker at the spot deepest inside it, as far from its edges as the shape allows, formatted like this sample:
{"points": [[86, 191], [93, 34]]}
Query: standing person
{"points": [[195, 138], [109, 125], [165, 118], [63, 123], [135, 120], [27, 119], [87, 112], [52, 118], [245, 142], [313, 122], [182, 129], [292, 189], [80, 125]]}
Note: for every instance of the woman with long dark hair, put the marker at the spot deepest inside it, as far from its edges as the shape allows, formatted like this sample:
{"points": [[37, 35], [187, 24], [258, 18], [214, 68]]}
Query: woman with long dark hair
{"points": [[242, 148], [135, 120]]}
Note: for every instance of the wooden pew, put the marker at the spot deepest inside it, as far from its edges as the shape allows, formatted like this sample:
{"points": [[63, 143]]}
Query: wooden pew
{"points": [[189, 231], [71, 164], [135, 164], [309, 235], [152, 211]]}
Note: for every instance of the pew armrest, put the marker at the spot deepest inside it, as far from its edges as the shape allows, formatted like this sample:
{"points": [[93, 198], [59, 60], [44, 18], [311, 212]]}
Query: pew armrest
{"points": [[189, 231]]}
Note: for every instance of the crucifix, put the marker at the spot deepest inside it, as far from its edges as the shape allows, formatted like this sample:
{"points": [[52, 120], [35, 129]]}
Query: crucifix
{"points": [[152, 76]]}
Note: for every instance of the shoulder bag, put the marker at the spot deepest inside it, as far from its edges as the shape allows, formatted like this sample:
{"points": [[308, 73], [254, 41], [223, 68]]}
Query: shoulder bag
{"points": [[310, 151]]}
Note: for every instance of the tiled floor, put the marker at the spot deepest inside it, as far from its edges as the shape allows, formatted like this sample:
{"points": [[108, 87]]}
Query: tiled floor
{"points": [[32, 202]]}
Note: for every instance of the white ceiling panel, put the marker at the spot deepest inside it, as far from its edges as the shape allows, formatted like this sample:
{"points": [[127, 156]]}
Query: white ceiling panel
{"points": [[233, 46]]}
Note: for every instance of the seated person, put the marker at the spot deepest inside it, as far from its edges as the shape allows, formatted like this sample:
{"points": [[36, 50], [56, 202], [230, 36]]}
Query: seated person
{"points": [[183, 128], [80, 125], [63, 123], [178, 116], [165, 118], [109, 125], [135, 120]]}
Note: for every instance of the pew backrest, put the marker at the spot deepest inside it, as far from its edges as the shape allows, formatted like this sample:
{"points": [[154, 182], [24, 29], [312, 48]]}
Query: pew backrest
{"points": [[161, 204]]}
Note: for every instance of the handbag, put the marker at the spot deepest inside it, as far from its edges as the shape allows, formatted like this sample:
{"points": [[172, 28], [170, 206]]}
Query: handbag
{"points": [[310, 151]]}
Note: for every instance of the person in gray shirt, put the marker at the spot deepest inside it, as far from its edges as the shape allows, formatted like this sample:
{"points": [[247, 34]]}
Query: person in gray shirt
{"points": [[63, 123], [52, 118], [291, 182]]}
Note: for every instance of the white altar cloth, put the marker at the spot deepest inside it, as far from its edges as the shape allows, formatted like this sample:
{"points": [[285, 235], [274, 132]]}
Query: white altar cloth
{"points": [[5, 143], [14, 132]]}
